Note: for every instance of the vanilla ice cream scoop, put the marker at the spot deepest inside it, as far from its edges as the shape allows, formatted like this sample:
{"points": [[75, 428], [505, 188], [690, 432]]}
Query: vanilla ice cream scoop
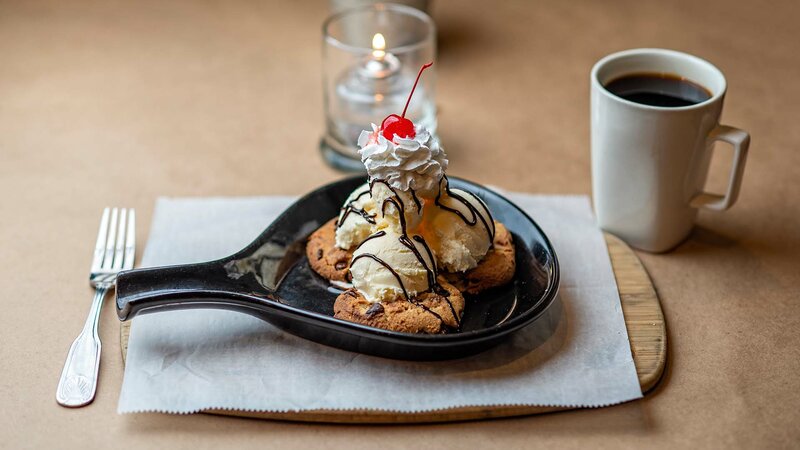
{"points": [[392, 203], [356, 218], [460, 230], [389, 266], [375, 206]]}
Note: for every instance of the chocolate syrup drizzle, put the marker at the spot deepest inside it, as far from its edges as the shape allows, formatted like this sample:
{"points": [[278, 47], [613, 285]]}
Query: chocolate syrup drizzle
{"points": [[349, 208], [433, 284], [488, 226]]}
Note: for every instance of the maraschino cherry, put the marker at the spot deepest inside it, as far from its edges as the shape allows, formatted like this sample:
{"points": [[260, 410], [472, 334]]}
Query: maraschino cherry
{"points": [[398, 125]]}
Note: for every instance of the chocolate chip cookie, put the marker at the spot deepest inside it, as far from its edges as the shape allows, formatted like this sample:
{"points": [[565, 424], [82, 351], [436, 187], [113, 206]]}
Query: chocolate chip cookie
{"points": [[325, 257], [429, 312]]}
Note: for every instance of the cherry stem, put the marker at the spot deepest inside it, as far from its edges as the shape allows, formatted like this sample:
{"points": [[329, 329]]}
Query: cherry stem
{"points": [[415, 87]]}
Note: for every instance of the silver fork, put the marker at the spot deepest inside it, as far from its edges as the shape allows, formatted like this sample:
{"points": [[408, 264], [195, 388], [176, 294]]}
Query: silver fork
{"points": [[114, 251]]}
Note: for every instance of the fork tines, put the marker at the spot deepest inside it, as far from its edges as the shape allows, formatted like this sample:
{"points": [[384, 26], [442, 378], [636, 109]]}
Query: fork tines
{"points": [[115, 247]]}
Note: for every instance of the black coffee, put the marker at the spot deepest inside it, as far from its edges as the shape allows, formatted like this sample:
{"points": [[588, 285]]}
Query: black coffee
{"points": [[658, 89]]}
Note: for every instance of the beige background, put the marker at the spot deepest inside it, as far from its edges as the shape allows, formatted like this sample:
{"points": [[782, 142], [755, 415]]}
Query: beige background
{"points": [[114, 103]]}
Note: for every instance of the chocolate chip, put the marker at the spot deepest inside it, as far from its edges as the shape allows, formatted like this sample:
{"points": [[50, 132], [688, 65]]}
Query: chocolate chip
{"points": [[348, 276], [438, 289], [351, 293], [341, 265], [319, 254], [374, 310]]}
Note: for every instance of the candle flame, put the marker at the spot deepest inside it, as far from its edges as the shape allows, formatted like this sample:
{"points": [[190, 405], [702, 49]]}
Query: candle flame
{"points": [[378, 46]]}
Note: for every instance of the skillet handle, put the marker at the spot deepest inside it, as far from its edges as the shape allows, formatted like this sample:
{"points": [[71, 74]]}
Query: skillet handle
{"points": [[205, 285]]}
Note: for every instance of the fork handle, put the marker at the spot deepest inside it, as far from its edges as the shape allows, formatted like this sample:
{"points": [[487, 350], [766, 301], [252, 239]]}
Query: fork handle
{"points": [[78, 381]]}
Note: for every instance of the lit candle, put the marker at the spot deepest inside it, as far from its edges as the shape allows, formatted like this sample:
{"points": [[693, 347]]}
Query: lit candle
{"points": [[378, 46], [379, 64]]}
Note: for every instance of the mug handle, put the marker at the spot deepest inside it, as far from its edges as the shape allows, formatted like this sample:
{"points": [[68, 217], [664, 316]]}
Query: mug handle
{"points": [[740, 140]]}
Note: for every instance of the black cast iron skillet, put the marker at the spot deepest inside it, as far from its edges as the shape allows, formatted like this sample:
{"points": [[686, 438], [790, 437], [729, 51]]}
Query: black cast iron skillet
{"points": [[271, 279]]}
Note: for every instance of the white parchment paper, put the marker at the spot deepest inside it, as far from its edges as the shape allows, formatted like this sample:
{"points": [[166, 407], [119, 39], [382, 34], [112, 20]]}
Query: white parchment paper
{"points": [[187, 361]]}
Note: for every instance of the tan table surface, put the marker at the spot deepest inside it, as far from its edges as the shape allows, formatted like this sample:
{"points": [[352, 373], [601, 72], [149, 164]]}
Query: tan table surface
{"points": [[113, 103]]}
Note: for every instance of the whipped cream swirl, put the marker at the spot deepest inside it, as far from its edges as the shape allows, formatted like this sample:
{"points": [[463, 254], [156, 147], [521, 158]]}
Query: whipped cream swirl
{"points": [[416, 163]]}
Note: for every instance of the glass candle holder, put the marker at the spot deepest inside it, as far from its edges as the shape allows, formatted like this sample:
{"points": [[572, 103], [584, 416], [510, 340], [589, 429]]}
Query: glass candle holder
{"points": [[371, 56]]}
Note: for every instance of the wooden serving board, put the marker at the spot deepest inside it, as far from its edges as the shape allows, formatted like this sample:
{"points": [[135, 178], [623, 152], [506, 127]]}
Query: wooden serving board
{"points": [[646, 330]]}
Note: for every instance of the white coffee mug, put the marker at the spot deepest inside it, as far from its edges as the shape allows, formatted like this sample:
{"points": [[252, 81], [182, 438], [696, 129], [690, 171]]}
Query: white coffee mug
{"points": [[649, 163]]}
